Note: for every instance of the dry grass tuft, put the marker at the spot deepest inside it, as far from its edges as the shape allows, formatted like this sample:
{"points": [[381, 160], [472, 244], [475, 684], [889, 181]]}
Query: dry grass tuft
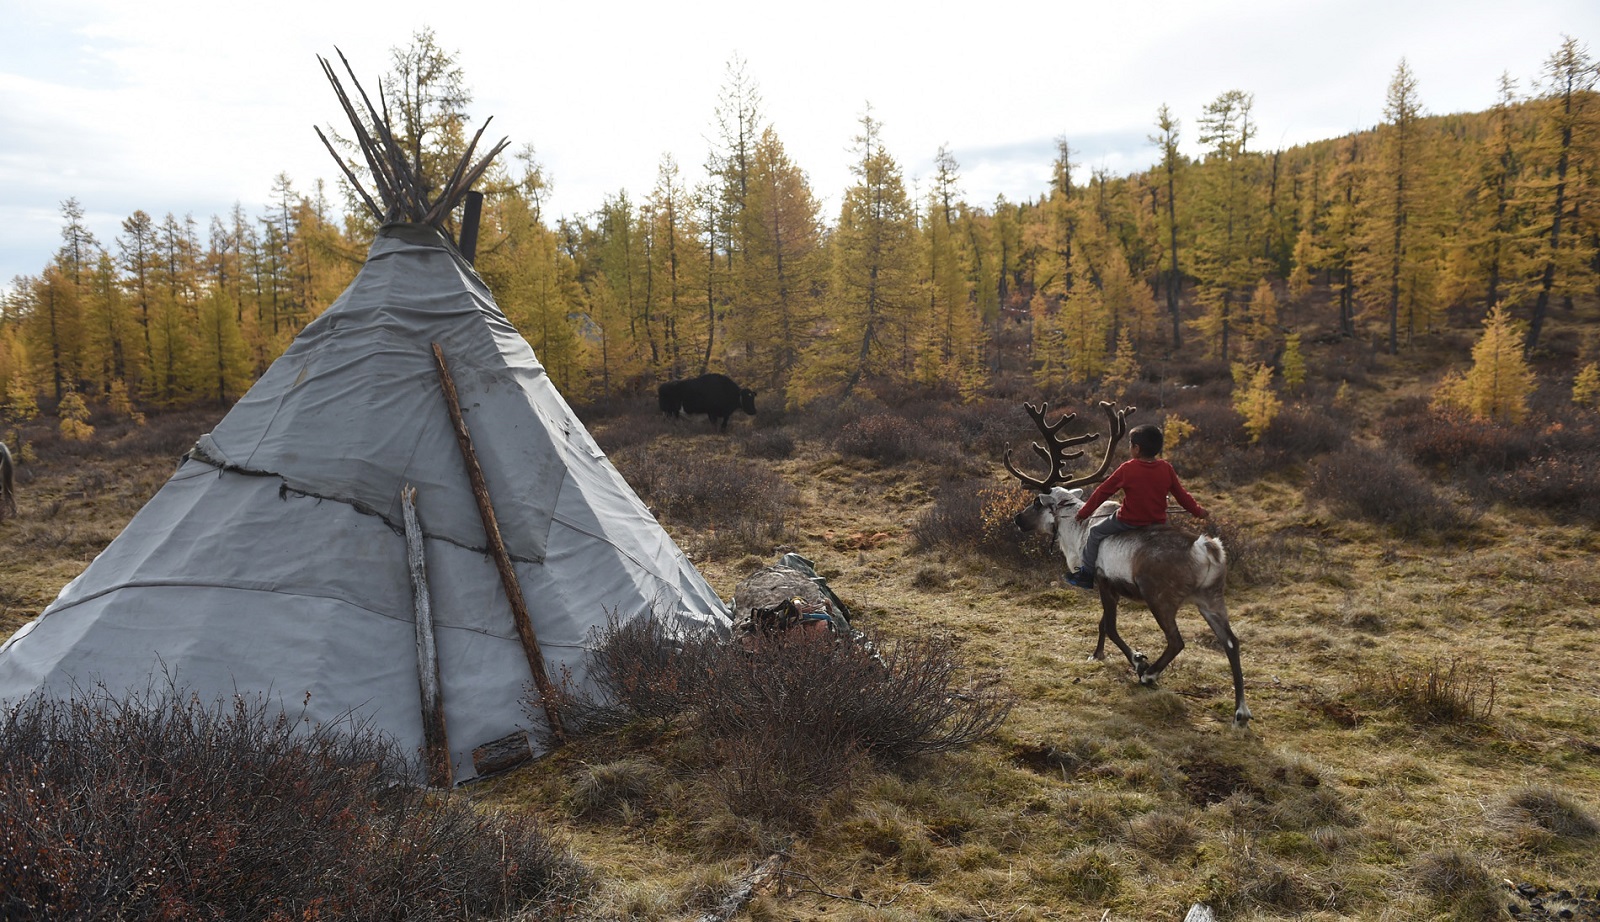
{"points": [[613, 789], [1439, 692], [1539, 819], [1458, 883]]}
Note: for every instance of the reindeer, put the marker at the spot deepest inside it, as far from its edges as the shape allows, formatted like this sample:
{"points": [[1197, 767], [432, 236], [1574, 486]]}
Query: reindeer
{"points": [[8, 489], [1162, 566]]}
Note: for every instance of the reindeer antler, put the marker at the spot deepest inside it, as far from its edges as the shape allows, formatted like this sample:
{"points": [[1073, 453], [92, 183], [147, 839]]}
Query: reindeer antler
{"points": [[1056, 454]]}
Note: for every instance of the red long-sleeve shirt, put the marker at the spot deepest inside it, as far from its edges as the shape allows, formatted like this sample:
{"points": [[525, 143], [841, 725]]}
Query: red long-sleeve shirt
{"points": [[1145, 483]]}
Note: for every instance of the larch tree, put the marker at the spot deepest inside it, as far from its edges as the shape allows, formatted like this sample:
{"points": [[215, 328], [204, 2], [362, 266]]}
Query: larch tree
{"points": [[54, 327], [784, 262], [1569, 137], [1254, 398], [137, 253], [426, 91], [78, 246], [1085, 325], [1490, 238], [1294, 363], [1586, 387], [1392, 228], [1228, 256], [874, 284], [739, 125], [533, 281], [1342, 241], [672, 255], [109, 326], [173, 374], [1499, 383], [951, 354]]}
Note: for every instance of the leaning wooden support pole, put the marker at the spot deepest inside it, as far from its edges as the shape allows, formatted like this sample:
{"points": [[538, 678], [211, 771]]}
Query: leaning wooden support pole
{"points": [[435, 741], [497, 549]]}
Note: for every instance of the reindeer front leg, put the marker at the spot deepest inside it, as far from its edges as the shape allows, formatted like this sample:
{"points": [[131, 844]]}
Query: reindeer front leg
{"points": [[1108, 628]]}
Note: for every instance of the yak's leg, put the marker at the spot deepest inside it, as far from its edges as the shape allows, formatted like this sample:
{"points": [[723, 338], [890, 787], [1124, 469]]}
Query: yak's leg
{"points": [[1168, 619], [1215, 611]]}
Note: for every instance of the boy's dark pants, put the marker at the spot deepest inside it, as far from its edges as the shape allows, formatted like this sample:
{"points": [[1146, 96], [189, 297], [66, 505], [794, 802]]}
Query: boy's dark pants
{"points": [[1110, 525]]}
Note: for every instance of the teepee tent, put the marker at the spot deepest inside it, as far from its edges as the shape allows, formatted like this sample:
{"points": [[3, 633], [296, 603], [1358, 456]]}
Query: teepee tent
{"points": [[275, 559]]}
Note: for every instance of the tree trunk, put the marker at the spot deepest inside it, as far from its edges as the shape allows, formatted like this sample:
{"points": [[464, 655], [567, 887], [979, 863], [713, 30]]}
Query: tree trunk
{"points": [[1541, 305]]}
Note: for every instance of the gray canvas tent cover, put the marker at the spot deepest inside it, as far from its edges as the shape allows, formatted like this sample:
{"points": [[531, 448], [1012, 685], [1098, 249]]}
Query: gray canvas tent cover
{"points": [[274, 560]]}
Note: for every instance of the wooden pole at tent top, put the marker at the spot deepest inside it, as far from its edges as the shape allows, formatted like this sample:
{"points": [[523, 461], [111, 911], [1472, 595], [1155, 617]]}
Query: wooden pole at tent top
{"points": [[497, 549]]}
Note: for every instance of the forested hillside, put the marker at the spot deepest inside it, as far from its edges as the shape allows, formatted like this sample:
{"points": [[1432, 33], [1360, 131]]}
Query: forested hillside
{"points": [[1386, 236]]}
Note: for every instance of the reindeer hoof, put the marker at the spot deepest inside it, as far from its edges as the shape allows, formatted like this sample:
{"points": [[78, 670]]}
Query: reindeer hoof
{"points": [[1140, 663], [1097, 656], [1241, 718]]}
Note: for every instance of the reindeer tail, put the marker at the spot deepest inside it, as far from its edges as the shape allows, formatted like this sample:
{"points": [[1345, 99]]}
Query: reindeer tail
{"points": [[1211, 561]]}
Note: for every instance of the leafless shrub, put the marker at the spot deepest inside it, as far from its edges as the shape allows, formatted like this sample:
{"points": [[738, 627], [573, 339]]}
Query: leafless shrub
{"points": [[978, 516], [1455, 691], [1300, 432], [744, 505], [786, 719], [1379, 486], [616, 433], [1451, 440], [157, 806], [1567, 487], [768, 444], [881, 437]]}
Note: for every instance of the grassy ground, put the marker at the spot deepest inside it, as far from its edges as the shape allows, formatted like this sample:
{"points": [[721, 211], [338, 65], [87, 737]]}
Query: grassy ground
{"points": [[1427, 713]]}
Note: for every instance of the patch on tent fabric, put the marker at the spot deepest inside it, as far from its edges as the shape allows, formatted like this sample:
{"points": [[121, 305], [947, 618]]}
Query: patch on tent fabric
{"points": [[502, 755]]}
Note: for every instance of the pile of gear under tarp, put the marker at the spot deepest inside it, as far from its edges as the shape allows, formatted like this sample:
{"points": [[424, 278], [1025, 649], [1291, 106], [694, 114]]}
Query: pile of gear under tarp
{"points": [[787, 596]]}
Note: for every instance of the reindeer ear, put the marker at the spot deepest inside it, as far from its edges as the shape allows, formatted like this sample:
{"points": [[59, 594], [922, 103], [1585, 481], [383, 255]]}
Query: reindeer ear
{"points": [[1075, 495]]}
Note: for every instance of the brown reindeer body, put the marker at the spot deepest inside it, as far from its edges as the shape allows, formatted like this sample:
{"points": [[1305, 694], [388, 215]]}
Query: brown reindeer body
{"points": [[1163, 566]]}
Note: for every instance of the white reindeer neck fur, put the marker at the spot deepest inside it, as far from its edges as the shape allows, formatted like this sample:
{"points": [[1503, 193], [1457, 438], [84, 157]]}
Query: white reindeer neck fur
{"points": [[1071, 534]]}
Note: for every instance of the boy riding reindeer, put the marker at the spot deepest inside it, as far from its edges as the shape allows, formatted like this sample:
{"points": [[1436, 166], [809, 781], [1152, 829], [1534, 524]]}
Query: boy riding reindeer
{"points": [[1155, 563]]}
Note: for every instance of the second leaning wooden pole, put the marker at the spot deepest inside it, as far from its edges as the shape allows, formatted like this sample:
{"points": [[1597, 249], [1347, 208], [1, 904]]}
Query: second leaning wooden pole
{"points": [[435, 739], [497, 549]]}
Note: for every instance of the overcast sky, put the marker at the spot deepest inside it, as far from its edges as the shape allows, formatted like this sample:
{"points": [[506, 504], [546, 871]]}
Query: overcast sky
{"points": [[187, 107]]}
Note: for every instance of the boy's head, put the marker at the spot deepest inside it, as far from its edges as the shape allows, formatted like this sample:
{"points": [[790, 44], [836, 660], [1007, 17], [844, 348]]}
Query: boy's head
{"points": [[1148, 439]]}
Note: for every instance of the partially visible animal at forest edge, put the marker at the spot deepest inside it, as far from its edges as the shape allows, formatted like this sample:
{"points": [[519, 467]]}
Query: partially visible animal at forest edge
{"points": [[1163, 566], [8, 486], [715, 395]]}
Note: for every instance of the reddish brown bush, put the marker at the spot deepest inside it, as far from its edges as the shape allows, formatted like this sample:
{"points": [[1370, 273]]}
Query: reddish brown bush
{"points": [[158, 807], [783, 722], [881, 437], [978, 516], [1567, 487], [1451, 441], [1378, 485], [743, 505]]}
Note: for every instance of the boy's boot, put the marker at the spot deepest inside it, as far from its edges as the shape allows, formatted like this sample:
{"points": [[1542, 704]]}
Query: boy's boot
{"points": [[1081, 578]]}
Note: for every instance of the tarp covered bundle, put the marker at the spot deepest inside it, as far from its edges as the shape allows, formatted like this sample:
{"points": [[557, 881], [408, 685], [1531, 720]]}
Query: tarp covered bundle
{"points": [[274, 561]]}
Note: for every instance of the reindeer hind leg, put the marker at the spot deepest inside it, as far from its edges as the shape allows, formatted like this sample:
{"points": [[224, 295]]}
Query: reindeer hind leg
{"points": [[1167, 618], [1215, 611]]}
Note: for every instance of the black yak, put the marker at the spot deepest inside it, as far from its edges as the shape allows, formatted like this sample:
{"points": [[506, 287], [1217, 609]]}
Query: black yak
{"points": [[715, 395]]}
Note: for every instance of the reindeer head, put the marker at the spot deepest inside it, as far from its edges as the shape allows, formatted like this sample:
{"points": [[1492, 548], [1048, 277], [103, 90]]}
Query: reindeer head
{"points": [[1047, 509]]}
